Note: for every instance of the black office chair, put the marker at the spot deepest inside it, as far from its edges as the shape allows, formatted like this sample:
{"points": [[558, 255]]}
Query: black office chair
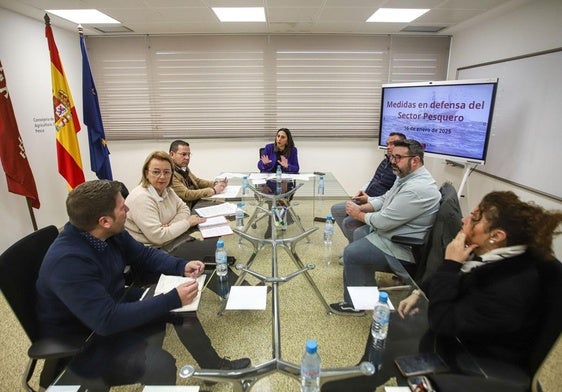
{"points": [[501, 377], [19, 268], [429, 252]]}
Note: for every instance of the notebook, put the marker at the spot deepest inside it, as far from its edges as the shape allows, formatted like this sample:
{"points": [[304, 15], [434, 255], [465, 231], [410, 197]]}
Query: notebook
{"points": [[167, 283]]}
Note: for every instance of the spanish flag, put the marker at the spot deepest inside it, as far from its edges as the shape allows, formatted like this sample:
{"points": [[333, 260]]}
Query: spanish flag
{"points": [[66, 120]]}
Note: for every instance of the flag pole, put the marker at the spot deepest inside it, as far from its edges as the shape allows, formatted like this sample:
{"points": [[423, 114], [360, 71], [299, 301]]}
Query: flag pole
{"points": [[31, 214]]}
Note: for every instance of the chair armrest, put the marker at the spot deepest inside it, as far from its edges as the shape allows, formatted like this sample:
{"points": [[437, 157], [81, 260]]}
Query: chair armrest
{"points": [[404, 240], [56, 347]]}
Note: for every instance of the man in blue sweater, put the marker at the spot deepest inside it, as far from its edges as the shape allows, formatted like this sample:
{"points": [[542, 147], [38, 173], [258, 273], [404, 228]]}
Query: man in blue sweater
{"points": [[81, 289]]}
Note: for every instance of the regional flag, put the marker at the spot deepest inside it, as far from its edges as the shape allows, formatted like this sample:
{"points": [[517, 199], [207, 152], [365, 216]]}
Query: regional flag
{"points": [[67, 124], [12, 154], [99, 153]]}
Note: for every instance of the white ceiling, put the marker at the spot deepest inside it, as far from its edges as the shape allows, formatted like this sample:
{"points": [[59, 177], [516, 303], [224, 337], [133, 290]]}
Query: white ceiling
{"points": [[283, 16]]}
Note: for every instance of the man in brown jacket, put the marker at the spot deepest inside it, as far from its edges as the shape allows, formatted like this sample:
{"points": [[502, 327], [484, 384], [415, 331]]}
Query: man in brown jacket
{"points": [[186, 185]]}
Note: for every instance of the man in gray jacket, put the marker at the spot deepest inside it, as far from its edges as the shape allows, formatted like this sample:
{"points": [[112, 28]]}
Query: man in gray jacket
{"points": [[409, 208]]}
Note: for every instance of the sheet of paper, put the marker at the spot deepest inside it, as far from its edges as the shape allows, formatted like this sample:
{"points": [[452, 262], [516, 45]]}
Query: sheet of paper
{"points": [[171, 388], [216, 210], [247, 297], [303, 177], [258, 181], [230, 175], [63, 388], [397, 389], [365, 297], [215, 231], [214, 221], [258, 176], [230, 192], [170, 282], [284, 176], [215, 226]]}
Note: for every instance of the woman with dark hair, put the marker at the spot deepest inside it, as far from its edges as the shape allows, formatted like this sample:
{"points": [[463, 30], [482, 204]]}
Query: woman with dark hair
{"points": [[487, 291], [157, 216], [282, 152]]}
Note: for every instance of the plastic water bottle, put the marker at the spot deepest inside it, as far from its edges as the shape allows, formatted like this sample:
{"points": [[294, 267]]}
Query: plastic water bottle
{"points": [[310, 368], [321, 185], [278, 180], [328, 234], [328, 230], [240, 216], [220, 259], [224, 287], [245, 185], [379, 330]]}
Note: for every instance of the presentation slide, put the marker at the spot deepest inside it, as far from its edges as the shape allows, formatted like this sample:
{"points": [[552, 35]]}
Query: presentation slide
{"points": [[450, 119]]}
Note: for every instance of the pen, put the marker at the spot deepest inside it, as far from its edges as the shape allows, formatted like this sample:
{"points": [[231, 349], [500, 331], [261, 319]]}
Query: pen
{"points": [[206, 284], [144, 294]]}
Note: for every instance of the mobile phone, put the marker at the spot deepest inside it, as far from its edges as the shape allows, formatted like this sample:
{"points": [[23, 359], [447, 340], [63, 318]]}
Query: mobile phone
{"points": [[420, 384], [418, 364], [210, 260]]}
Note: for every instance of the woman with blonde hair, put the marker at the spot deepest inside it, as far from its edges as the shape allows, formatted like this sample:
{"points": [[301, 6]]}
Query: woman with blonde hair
{"points": [[157, 216]]}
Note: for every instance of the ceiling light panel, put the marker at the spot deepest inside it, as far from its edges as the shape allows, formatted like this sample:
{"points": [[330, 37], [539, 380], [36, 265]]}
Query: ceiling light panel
{"points": [[84, 16], [240, 14], [397, 15]]}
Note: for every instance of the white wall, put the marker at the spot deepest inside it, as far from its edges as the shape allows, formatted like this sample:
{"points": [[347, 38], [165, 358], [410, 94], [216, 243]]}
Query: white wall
{"points": [[531, 27], [352, 161], [25, 56]]}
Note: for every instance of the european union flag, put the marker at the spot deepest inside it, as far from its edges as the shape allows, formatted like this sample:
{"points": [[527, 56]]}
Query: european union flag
{"points": [[99, 153]]}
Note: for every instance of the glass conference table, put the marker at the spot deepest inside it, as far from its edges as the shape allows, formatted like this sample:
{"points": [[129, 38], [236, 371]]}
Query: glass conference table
{"points": [[298, 312], [307, 184]]}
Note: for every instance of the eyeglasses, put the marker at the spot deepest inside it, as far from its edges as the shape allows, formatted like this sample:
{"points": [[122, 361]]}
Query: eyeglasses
{"points": [[158, 173], [397, 157]]}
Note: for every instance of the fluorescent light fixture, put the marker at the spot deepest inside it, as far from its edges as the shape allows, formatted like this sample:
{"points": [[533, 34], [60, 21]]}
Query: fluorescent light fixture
{"points": [[396, 15], [84, 16], [240, 14]]}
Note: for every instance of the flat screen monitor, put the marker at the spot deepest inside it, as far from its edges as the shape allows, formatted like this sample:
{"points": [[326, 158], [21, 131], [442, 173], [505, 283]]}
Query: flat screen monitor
{"points": [[451, 119]]}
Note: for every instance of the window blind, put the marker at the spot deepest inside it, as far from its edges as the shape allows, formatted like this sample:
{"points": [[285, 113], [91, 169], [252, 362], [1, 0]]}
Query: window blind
{"points": [[201, 86]]}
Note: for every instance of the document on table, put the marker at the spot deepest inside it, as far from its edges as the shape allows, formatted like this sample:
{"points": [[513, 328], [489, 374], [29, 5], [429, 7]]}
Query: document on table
{"points": [[261, 178], [230, 192], [230, 175], [215, 227], [284, 176], [63, 388], [258, 176], [247, 297], [365, 297], [258, 181], [303, 177], [167, 283], [216, 210]]}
